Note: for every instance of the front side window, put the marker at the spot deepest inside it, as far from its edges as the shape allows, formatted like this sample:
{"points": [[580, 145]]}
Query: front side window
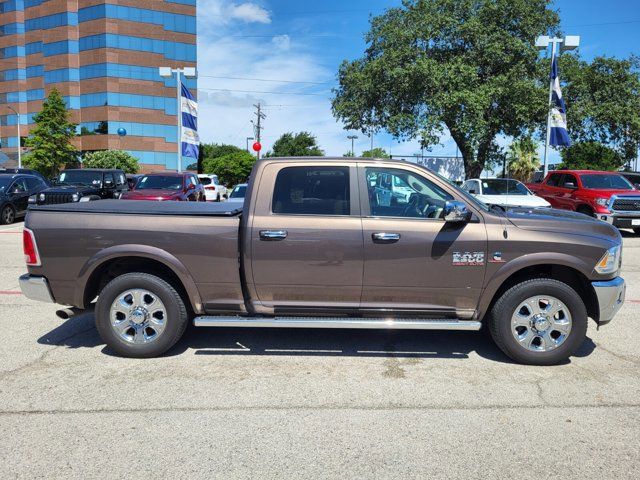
{"points": [[312, 190], [401, 193]]}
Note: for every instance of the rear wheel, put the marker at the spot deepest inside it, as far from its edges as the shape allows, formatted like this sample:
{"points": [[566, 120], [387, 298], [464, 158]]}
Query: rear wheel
{"points": [[8, 215], [140, 315], [539, 322]]}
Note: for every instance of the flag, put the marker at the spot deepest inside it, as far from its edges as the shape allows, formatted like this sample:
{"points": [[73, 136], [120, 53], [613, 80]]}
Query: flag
{"points": [[189, 111], [558, 121]]}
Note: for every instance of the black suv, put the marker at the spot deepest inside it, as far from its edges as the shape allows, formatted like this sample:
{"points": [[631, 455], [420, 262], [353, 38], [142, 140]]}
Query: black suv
{"points": [[84, 185], [15, 190]]}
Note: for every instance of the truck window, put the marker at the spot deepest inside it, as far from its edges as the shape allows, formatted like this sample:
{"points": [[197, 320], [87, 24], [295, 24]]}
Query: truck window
{"points": [[554, 180], [312, 191], [406, 195]]}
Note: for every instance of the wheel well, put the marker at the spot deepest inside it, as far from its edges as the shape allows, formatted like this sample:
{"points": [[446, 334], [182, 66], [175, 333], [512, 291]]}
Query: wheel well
{"points": [[568, 275], [585, 208], [119, 266]]}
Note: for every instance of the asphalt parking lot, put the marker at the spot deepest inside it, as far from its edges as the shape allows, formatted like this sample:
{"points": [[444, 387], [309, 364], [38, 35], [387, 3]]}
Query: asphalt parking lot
{"points": [[238, 403]]}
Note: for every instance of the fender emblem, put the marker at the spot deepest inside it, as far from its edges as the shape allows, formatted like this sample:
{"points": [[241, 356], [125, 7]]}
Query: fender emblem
{"points": [[471, 259], [497, 258]]}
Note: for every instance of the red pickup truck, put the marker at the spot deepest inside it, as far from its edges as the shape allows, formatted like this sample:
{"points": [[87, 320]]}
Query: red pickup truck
{"points": [[606, 195]]}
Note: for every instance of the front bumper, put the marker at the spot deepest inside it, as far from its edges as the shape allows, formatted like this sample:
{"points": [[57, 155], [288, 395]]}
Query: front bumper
{"points": [[620, 220], [36, 288], [610, 296]]}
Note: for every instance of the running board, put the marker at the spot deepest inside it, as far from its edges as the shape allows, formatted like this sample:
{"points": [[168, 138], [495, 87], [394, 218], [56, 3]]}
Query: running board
{"points": [[338, 322]]}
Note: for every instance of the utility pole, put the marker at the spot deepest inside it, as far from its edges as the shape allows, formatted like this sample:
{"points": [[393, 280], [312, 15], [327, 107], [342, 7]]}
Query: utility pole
{"points": [[352, 138], [257, 125], [371, 135], [19, 136]]}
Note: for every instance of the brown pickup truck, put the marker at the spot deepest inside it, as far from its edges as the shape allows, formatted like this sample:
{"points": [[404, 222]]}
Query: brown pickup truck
{"points": [[329, 243]]}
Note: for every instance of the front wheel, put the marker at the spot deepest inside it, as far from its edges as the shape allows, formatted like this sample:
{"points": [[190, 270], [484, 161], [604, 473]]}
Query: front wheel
{"points": [[140, 315], [539, 322]]}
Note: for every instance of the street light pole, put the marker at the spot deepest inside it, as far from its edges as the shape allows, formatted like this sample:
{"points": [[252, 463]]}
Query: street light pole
{"points": [[188, 72], [248, 140], [19, 137], [352, 138], [570, 42]]}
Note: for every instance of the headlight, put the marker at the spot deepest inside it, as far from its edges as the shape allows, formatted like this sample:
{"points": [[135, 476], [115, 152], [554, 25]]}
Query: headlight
{"points": [[75, 197], [603, 202], [42, 197], [610, 261]]}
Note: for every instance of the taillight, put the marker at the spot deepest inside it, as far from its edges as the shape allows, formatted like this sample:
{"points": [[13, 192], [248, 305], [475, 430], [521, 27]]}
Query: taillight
{"points": [[210, 188], [31, 255]]}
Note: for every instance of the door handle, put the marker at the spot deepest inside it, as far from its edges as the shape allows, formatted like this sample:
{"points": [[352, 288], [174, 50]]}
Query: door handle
{"points": [[273, 235], [384, 237]]}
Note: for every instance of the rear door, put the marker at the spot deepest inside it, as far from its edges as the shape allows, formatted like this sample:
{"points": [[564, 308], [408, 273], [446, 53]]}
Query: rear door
{"points": [[414, 262], [306, 237]]}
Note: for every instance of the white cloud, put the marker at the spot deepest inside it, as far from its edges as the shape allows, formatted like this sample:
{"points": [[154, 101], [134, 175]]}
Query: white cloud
{"points": [[283, 42], [249, 13], [213, 13]]}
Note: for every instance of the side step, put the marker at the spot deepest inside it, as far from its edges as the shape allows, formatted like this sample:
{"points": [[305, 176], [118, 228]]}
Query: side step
{"points": [[338, 322]]}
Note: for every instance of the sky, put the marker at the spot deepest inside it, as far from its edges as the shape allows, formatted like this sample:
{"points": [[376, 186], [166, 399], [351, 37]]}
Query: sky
{"points": [[285, 54]]}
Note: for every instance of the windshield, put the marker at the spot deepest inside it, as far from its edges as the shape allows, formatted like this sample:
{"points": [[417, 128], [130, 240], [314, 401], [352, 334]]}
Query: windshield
{"points": [[160, 183], [503, 187], [238, 192], [4, 183], [613, 181], [80, 177]]}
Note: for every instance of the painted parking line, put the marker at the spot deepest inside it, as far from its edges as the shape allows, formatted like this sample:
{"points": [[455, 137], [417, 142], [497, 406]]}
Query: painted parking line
{"points": [[10, 292]]}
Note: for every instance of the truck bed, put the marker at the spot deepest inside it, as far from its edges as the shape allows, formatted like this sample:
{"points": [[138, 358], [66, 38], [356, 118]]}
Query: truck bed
{"points": [[144, 207]]}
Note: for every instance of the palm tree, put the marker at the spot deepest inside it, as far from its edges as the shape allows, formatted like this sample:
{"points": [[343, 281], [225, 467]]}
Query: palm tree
{"points": [[523, 159]]}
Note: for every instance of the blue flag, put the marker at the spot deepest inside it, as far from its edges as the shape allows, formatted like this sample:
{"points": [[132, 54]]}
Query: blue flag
{"points": [[558, 121], [189, 111]]}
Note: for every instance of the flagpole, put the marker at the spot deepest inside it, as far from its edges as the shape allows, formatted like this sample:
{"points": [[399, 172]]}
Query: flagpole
{"points": [[179, 89], [551, 80]]}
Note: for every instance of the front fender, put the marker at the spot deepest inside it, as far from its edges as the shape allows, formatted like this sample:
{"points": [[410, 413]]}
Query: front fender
{"points": [[144, 251], [530, 260]]}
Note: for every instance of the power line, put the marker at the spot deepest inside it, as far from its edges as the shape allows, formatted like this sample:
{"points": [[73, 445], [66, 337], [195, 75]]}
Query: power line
{"points": [[266, 93]]}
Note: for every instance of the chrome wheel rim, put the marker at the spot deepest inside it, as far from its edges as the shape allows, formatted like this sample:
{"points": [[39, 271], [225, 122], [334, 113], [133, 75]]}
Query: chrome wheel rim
{"points": [[7, 215], [541, 323], [138, 316]]}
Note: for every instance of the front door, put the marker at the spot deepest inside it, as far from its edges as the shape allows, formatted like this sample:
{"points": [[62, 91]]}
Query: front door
{"points": [[306, 238], [19, 196], [414, 261]]}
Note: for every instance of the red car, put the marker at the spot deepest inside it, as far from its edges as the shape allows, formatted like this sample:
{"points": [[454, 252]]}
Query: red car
{"points": [[605, 195], [179, 187]]}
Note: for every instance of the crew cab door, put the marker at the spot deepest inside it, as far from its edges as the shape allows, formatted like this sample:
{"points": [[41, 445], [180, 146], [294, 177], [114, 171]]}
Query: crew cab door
{"points": [[306, 238], [414, 262]]}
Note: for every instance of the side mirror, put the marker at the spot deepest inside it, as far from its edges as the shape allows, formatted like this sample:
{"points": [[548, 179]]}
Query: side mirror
{"points": [[637, 185], [456, 212], [570, 185], [108, 184], [191, 187], [472, 191]]}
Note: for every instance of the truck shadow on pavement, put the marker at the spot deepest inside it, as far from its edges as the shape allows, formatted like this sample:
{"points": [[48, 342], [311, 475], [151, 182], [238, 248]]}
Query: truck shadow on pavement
{"points": [[80, 332]]}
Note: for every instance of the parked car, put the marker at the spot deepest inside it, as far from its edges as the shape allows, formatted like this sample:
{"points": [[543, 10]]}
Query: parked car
{"points": [[80, 185], [15, 190], [633, 177], [213, 189], [237, 194], [606, 195], [504, 193], [25, 171], [313, 250], [180, 187]]}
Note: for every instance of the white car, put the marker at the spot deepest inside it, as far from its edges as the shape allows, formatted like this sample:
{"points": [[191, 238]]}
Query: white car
{"points": [[237, 194], [504, 192], [214, 191]]}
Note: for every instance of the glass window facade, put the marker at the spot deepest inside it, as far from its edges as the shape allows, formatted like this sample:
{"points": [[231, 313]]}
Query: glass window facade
{"points": [[170, 21], [172, 50]]}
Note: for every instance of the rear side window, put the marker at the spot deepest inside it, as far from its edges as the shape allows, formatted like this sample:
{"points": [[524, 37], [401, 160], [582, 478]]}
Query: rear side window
{"points": [[312, 191]]}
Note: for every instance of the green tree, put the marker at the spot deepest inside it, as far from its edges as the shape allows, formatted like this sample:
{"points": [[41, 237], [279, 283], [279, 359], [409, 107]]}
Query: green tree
{"points": [[377, 152], [523, 159], [232, 168], [112, 159], [215, 150], [301, 144], [468, 67], [50, 139], [603, 102], [591, 155]]}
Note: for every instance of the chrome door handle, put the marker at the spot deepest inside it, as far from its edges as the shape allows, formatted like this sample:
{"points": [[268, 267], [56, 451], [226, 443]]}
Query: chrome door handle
{"points": [[273, 235], [384, 237]]}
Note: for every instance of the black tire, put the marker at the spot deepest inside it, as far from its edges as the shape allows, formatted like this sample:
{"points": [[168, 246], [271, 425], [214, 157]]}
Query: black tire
{"points": [[7, 215], [585, 210], [502, 311], [218, 198], [176, 319]]}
